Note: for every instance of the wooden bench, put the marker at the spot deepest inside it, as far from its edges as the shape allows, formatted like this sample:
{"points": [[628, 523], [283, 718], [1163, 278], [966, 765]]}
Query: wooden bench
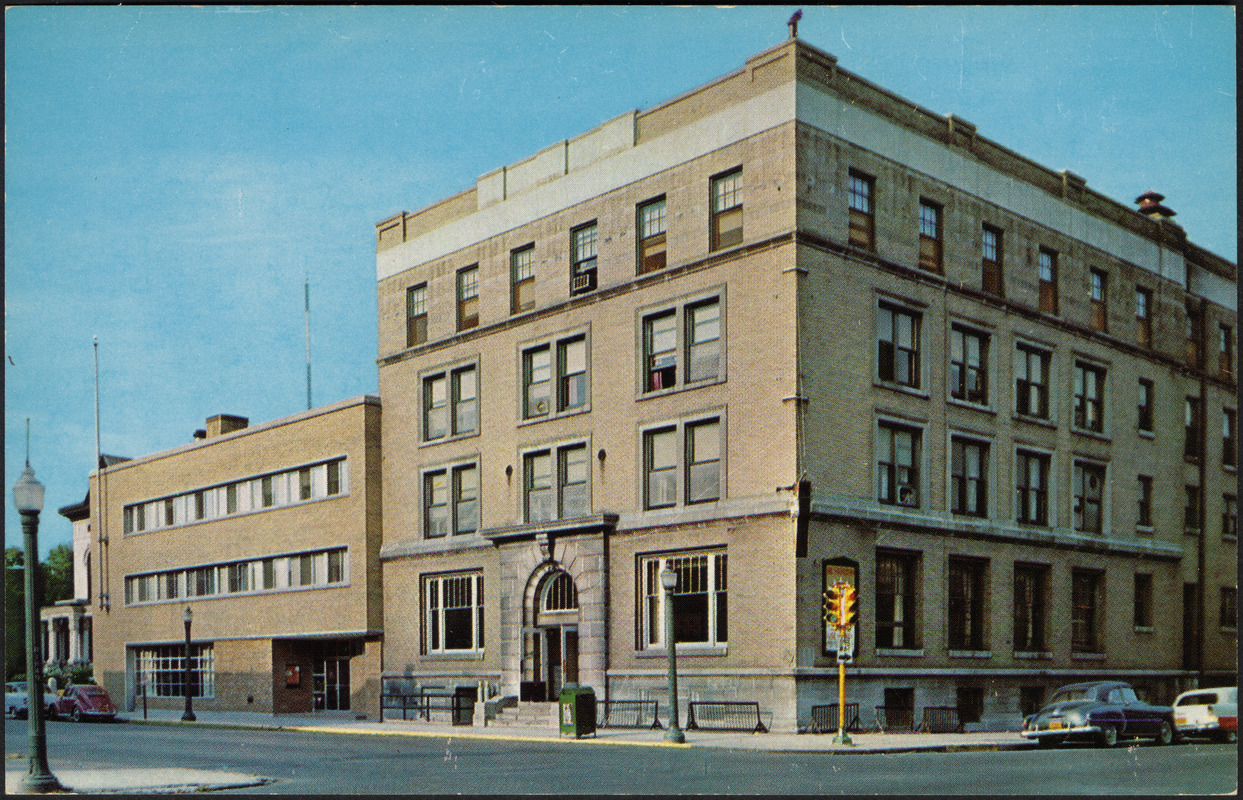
{"points": [[735, 715], [628, 714], [824, 718], [941, 719]]}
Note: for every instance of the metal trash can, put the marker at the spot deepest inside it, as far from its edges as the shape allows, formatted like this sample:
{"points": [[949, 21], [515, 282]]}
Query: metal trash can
{"points": [[577, 707]]}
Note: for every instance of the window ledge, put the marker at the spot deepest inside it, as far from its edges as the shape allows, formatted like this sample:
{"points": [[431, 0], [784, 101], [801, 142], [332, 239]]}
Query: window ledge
{"points": [[1087, 656], [444, 439], [1145, 629], [453, 657], [685, 650], [1145, 530], [1225, 537], [899, 652], [1040, 421], [681, 387], [969, 653], [1091, 434], [1230, 631], [1229, 468], [1033, 655], [1147, 434], [983, 408], [901, 389], [553, 415]]}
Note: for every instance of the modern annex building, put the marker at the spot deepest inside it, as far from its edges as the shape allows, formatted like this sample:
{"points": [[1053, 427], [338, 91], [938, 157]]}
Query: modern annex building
{"points": [[1006, 401]]}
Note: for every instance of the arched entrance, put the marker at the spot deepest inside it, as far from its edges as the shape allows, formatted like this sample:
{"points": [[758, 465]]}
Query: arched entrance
{"points": [[550, 652]]}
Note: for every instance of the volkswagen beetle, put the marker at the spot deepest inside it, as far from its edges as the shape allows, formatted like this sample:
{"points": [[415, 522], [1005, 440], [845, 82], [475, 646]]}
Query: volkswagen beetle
{"points": [[1101, 712]]}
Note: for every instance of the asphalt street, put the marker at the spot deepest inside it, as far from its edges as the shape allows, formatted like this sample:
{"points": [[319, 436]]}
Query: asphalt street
{"points": [[319, 763]]}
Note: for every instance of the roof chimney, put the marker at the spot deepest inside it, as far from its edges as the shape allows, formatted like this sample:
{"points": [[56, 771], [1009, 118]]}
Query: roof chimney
{"points": [[225, 423], [1150, 205], [793, 23]]}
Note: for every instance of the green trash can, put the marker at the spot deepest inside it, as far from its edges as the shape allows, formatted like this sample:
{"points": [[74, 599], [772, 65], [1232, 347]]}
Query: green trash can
{"points": [[577, 707]]}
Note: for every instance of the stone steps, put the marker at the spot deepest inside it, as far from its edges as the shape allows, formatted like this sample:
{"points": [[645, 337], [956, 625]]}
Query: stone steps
{"points": [[531, 715]]}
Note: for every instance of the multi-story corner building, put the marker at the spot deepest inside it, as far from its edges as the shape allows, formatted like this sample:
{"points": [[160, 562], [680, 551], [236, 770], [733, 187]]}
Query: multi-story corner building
{"points": [[1000, 391], [269, 536]]}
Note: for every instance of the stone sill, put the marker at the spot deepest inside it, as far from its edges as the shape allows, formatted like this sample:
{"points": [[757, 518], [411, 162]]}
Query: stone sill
{"points": [[899, 652]]}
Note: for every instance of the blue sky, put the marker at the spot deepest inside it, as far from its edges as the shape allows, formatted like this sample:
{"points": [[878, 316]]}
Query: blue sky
{"points": [[172, 175]]}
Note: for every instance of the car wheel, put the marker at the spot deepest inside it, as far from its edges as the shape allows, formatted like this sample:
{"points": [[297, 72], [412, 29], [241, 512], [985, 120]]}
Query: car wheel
{"points": [[1228, 737], [76, 714], [1165, 734], [1108, 736], [51, 713]]}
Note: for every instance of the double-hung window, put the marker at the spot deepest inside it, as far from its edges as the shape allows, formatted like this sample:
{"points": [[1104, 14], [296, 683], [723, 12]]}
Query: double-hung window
{"points": [[1229, 450], [554, 377], [726, 210], [1230, 515], [1141, 614], [896, 619], [993, 279], [703, 337], [468, 298], [1193, 336], [929, 236], [416, 315], [1143, 316], [897, 464], [1144, 515], [1225, 352], [692, 335], [1191, 509], [1099, 299], [1191, 428], [1144, 405], [862, 226], [451, 501], [1089, 488], [683, 464], [1228, 616], [1089, 397], [453, 613], [651, 224], [700, 599], [1030, 582], [1048, 280], [1085, 590], [451, 403], [522, 278], [556, 483], [897, 334], [583, 244], [968, 477], [1031, 381], [1032, 484], [965, 609], [968, 365], [537, 380]]}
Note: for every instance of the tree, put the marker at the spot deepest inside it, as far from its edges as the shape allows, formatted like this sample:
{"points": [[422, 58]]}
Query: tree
{"points": [[58, 574], [14, 612]]}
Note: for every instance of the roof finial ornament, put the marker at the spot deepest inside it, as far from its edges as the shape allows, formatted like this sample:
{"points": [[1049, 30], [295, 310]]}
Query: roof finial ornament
{"points": [[793, 23]]}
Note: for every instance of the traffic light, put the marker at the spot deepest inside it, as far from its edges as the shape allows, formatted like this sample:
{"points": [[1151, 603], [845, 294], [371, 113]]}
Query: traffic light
{"points": [[847, 602], [831, 606]]}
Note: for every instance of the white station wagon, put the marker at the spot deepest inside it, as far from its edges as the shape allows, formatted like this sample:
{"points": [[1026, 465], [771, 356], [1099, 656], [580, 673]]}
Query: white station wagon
{"points": [[1208, 712]]}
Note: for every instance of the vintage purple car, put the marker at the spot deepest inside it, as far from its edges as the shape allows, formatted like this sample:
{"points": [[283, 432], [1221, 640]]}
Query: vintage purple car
{"points": [[86, 702]]}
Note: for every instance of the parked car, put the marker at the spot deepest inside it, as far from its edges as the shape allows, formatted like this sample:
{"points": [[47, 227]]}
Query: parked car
{"points": [[87, 701], [1103, 712], [16, 701], [1208, 712]]}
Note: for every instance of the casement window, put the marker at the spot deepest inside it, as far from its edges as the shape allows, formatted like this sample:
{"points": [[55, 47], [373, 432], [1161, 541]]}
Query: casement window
{"points": [[650, 222], [556, 483], [682, 463], [1193, 337], [468, 298], [726, 210], [1191, 509], [1089, 396], [1144, 518], [896, 589], [451, 501], [451, 403], [1228, 617], [569, 357], [1032, 484], [200, 505], [583, 245], [698, 342], [416, 315], [1048, 280], [453, 613], [1030, 591], [897, 464], [1230, 515], [333, 477], [1098, 299], [897, 333], [1085, 610], [1089, 490], [1031, 381], [993, 277], [168, 512], [304, 483], [1141, 616], [929, 236], [1229, 452], [862, 226], [1143, 316], [1144, 406], [1191, 428], [267, 486], [968, 365], [1225, 352], [162, 671], [965, 609], [700, 599], [127, 520], [141, 517], [968, 477], [230, 498], [522, 279]]}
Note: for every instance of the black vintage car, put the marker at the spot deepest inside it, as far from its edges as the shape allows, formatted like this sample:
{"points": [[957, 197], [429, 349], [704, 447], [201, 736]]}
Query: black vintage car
{"points": [[1103, 712]]}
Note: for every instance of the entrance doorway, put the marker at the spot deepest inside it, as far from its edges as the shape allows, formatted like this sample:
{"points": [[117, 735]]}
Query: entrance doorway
{"points": [[330, 677], [550, 654]]}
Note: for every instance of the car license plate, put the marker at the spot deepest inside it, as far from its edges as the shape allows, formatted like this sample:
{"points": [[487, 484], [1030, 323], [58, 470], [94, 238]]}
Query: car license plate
{"points": [[1055, 725], [1180, 720]]}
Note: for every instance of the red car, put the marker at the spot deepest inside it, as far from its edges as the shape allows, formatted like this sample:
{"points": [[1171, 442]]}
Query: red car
{"points": [[86, 702]]}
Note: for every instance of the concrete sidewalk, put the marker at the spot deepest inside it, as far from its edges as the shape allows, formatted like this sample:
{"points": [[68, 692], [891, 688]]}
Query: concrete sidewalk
{"points": [[176, 780]]}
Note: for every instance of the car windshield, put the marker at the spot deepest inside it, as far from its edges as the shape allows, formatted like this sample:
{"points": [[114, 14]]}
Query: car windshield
{"points": [[93, 691], [1202, 699], [1070, 695]]}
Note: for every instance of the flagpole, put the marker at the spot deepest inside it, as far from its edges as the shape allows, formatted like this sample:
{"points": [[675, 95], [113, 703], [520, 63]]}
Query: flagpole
{"points": [[99, 466]]}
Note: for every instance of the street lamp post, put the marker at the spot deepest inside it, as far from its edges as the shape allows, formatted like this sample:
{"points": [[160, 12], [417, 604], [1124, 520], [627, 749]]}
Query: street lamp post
{"points": [[188, 716], [28, 497], [669, 580]]}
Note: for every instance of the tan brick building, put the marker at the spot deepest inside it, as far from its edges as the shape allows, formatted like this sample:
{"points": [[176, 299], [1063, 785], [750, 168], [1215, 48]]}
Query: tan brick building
{"points": [[270, 535], [1003, 390]]}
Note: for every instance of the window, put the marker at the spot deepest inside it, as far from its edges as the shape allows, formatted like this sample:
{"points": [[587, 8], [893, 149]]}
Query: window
{"points": [[539, 488], [456, 391], [1048, 281], [897, 331], [1085, 590], [162, 670], [142, 517], [453, 620], [1031, 377], [557, 483], [1191, 428], [304, 483], [1229, 615], [1143, 316], [1229, 453], [968, 477], [436, 407], [1032, 481], [683, 456], [572, 374], [416, 315], [1143, 600], [1099, 299], [571, 377], [895, 600], [965, 609], [1089, 489], [1230, 516], [583, 243], [522, 278], [230, 499], [1030, 588], [1145, 502], [333, 477], [929, 236], [1144, 420], [968, 365], [200, 505], [862, 228], [1191, 509], [700, 336], [703, 461], [993, 281], [1193, 337], [537, 372], [970, 703], [468, 298], [700, 599], [451, 501], [1089, 397], [727, 210], [268, 489], [559, 593], [661, 453], [651, 239], [168, 512], [1225, 352], [897, 464]]}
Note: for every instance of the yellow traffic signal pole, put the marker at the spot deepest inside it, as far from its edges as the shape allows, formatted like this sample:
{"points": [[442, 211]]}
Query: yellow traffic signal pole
{"points": [[842, 597]]}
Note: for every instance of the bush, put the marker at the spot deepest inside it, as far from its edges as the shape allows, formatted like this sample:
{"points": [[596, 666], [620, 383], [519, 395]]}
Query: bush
{"points": [[81, 674]]}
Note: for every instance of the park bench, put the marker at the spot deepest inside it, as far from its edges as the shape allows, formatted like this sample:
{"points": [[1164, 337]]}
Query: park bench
{"points": [[733, 715]]}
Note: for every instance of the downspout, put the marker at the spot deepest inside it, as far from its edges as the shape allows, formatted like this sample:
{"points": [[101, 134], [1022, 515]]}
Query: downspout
{"points": [[1201, 510]]}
